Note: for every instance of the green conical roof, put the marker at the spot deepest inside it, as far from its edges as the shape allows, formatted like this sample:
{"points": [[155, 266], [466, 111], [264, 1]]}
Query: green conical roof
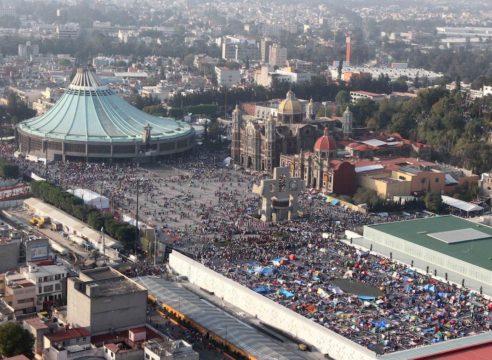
{"points": [[89, 111]]}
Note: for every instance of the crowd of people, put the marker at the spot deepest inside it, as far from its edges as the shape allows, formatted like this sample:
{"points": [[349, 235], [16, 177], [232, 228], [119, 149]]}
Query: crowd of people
{"points": [[305, 266], [209, 212]]}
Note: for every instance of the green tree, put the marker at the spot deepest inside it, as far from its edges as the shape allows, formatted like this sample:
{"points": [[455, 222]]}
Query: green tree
{"points": [[433, 201], [342, 98], [14, 340]]}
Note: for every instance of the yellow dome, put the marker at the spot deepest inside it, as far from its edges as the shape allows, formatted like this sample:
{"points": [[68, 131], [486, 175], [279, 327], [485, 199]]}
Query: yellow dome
{"points": [[290, 106]]}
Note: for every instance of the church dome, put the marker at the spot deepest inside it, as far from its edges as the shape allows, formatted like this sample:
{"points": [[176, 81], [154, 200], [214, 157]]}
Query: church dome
{"points": [[290, 105], [325, 143]]}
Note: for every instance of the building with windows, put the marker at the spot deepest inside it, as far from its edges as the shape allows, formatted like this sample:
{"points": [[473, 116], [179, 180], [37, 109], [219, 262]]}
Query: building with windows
{"points": [[227, 77], [257, 144], [50, 283], [322, 169], [164, 349], [277, 55], [91, 122], [103, 300]]}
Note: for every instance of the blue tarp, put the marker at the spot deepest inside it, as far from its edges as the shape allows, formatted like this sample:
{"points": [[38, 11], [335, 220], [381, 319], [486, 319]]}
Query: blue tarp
{"points": [[286, 293], [380, 324], [262, 290], [363, 297], [430, 288], [335, 202]]}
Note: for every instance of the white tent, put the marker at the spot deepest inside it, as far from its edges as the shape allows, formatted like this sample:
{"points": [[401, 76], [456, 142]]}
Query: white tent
{"points": [[460, 204], [91, 198]]}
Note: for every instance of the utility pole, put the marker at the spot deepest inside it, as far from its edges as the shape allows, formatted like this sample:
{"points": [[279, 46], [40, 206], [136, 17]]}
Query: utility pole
{"points": [[137, 232]]}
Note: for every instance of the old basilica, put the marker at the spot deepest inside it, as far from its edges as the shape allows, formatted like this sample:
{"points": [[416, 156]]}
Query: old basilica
{"points": [[289, 140]]}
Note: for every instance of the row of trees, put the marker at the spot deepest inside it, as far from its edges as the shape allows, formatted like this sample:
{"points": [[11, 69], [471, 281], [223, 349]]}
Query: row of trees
{"points": [[123, 232], [454, 127]]}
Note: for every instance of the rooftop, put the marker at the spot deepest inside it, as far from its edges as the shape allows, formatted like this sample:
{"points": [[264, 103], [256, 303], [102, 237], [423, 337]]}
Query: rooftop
{"points": [[89, 111], [106, 281], [68, 334], [477, 251], [36, 323]]}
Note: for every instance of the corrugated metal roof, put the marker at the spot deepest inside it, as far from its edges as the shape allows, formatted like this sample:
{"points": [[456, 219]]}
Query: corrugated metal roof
{"points": [[217, 321]]}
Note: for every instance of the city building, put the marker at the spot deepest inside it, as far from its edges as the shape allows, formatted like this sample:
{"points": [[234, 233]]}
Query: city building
{"points": [[167, 349], [27, 50], [447, 246], [322, 169], [50, 283], [103, 301], [9, 254], [265, 50], [362, 95], [400, 176], [68, 31], [265, 76], [257, 144], [19, 293], [91, 122], [227, 77], [277, 55]]}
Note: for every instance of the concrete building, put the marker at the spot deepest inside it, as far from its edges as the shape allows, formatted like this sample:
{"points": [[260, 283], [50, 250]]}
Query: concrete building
{"points": [[27, 50], [68, 31], [38, 329], [277, 55], [265, 50], [227, 77], [50, 283], [19, 294], [121, 351], [66, 344], [9, 254], [447, 246], [360, 95], [104, 300], [167, 349]]}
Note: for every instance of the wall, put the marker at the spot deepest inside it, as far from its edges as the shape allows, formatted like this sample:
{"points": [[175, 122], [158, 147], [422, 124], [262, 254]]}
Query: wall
{"points": [[78, 305], [266, 310], [118, 312], [9, 255], [431, 258]]}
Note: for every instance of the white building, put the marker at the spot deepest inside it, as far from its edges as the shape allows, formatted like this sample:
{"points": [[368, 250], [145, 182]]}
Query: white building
{"points": [[360, 95], [265, 76], [227, 77], [169, 349], [487, 90], [277, 55], [68, 31], [50, 282]]}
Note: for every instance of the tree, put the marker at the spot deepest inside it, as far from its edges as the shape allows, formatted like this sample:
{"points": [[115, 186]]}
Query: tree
{"points": [[342, 98], [14, 340], [433, 201]]}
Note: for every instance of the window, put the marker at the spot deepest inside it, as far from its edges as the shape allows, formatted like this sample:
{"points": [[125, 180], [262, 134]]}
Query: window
{"points": [[437, 180], [57, 287], [147, 356], [57, 277], [40, 289], [48, 288]]}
